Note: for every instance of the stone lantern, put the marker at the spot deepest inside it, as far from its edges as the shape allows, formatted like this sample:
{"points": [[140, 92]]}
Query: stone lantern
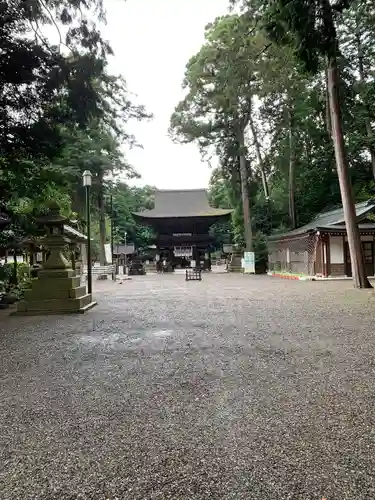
{"points": [[57, 289], [55, 239]]}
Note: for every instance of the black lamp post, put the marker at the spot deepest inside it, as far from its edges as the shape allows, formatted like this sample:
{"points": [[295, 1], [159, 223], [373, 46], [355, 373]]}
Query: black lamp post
{"points": [[87, 180], [125, 256], [112, 228]]}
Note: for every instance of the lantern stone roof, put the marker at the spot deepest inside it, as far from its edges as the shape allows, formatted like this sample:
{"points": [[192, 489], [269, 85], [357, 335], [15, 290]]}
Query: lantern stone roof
{"points": [[178, 203], [74, 233]]}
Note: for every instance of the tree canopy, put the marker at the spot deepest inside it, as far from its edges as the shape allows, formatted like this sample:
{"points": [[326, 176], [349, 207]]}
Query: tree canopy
{"points": [[61, 110], [265, 67]]}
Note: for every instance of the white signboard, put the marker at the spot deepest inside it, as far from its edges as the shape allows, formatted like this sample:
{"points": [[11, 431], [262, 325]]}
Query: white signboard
{"points": [[249, 262], [108, 253], [183, 251]]}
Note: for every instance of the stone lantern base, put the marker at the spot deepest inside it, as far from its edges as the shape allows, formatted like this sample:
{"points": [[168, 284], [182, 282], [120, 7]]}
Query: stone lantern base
{"points": [[56, 291], [235, 264]]}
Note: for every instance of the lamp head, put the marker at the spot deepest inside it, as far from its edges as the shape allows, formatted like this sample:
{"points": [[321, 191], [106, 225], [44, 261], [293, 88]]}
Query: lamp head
{"points": [[87, 178]]}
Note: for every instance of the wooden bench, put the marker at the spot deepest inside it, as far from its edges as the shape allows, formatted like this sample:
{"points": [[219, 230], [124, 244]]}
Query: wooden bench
{"points": [[193, 275]]}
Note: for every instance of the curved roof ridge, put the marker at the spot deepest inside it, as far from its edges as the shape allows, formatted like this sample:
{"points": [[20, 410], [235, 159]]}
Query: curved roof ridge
{"points": [[338, 209], [182, 203], [180, 190]]}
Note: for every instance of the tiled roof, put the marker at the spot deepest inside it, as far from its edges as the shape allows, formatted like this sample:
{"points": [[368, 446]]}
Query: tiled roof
{"points": [[329, 220], [182, 203], [342, 227]]}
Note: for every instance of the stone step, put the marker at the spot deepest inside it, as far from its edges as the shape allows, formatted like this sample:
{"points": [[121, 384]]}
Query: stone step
{"points": [[235, 269], [55, 306], [39, 285], [50, 293]]}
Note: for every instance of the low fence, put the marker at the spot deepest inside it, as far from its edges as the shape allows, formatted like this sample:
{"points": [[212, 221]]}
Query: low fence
{"points": [[97, 271]]}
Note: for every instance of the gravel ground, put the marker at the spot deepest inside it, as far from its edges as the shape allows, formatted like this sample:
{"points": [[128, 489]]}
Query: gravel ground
{"points": [[235, 387]]}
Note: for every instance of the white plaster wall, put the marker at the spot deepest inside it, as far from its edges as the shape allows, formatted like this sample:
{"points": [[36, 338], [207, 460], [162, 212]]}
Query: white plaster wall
{"points": [[367, 237], [337, 250], [288, 255]]}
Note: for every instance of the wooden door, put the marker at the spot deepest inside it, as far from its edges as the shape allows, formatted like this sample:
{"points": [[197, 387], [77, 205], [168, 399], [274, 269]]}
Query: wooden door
{"points": [[368, 255]]}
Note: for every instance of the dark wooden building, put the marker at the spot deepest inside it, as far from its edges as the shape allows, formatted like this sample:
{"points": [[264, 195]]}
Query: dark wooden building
{"points": [[181, 220]]}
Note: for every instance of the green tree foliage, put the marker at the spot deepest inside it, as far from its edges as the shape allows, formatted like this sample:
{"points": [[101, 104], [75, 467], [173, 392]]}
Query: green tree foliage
{"points": [[126, 200], [269, 62], [61, 111], [311, 30]]}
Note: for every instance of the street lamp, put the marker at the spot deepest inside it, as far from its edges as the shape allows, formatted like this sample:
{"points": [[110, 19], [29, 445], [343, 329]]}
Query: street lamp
{"points": [[87, 180], [112, 228]]}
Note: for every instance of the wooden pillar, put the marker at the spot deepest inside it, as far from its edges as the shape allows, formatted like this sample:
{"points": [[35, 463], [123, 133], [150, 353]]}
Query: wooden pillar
{"points": [[195, 255], [328, 255], [31, 255], [322, 253]]}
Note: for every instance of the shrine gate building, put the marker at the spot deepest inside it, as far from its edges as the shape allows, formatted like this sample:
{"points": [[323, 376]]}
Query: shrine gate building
{"points": [[181, 220]]}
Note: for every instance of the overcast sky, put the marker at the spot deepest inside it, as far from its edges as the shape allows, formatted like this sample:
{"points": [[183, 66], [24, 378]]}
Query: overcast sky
{"points": [[152, 41]]}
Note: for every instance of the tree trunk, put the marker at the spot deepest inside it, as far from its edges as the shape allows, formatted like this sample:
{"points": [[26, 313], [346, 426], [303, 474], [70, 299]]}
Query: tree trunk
{"points": [[362, 79], [292, 174], [354, 238], [245, 194], [328, 111], [102, 229], [259, 156]]}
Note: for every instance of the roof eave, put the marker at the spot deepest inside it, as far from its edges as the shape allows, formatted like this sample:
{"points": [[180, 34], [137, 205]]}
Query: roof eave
{"points": [[291, 235], [142, 215]]}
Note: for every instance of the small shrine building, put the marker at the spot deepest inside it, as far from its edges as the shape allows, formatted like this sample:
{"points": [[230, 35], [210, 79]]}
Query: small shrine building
{"points": [[320, 248]]}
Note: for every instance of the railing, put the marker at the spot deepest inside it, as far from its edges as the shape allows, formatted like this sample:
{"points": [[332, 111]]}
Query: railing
{"points": [[109, 269]]}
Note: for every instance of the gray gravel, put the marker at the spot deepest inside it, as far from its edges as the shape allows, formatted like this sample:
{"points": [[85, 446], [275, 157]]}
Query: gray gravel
{"points": [[233, 388]]}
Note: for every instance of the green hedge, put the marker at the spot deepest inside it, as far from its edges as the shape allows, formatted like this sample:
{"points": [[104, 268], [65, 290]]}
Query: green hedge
{"points": [[23, 277]]}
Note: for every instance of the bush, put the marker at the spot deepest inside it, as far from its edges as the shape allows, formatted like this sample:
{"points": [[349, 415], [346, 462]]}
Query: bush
{"points": [[23, 272], [6, 272], [23, 278]]}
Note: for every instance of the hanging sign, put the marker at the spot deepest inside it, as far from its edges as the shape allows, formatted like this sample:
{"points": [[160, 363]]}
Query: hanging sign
{"points": [[183, 251], [249, 262]]}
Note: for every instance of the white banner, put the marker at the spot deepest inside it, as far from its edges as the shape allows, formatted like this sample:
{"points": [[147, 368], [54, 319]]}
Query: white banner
{"points": [[183, 251], [249, 262], [108, 253]]}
